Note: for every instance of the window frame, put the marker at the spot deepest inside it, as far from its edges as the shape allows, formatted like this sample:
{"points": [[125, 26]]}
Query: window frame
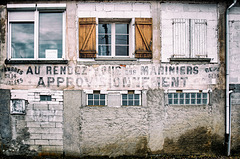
{"points": [[134, 93], [23, 108], [93, 92], [113, 22], [185, 28], [36, 10], [190, 92]]}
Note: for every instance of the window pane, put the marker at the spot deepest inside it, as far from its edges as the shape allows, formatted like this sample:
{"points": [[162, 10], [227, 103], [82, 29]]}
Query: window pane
{"points": [[204, 101], [130, 96], [122, 29], [204, 95], [22, 40], [124, 96], [169, 101], [199, 95], [181, 101], [90, 96], [102, 102], [124, 102], [104, 39], [181, 95], [187, 101], [96, 102], [193, 95], [96, 96], [175, 95], [90, 102], [122, 51], [50, 35], [130, 102], [198, 101], [122, 39], [170, 95], [104, 50], [175, 101], [136, 96], [136, 102], [187, 95], [104, 28], [102, 96], [193, 101]]}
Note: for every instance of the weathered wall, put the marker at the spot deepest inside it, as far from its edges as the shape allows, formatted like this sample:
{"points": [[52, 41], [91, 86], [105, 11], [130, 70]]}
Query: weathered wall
{"points": [[234, 41], [66, 126]]}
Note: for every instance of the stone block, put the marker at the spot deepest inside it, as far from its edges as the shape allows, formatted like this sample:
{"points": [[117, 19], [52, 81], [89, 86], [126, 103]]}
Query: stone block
{"points": [[41, 142], [55, 107], [56, 142], [52, 136]]}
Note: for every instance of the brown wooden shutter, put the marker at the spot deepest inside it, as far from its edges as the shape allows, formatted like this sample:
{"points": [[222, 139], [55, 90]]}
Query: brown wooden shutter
{"points": [[87, 37], [143, 35]]}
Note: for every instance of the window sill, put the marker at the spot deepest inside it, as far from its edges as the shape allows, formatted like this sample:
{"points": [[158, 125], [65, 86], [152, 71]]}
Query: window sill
{"points": [[115, 59], [36, 61], [207, 60]]}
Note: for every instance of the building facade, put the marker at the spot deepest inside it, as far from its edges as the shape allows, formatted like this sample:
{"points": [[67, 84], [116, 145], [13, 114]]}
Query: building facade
{"points": [[90, 78]]}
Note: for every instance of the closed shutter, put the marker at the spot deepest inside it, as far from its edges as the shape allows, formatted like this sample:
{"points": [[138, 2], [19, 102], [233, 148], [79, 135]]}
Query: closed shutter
{"points": [[143, 33], [87, 37]]}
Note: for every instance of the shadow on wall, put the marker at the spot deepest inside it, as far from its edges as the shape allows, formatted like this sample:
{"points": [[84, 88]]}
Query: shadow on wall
{"points": [[198, 141]]}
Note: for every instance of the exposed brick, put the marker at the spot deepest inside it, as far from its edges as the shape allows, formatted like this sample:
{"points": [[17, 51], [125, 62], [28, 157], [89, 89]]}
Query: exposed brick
{"points": [[56, 142], [41, 106], [41, 142], [35, 136], [52, 136], [55, 118], [33, 124], [55, 107], [55, 130]]}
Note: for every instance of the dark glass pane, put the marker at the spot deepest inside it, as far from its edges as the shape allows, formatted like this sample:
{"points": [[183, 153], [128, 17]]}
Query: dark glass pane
{"points": [[136, 96], [104, 50], [193, 101], [45, 98], [204, 101], [96, 102], [104, 39], [175, 95], [130, 102], [170, 95], [122, 39], [187, 101], [198, 101], [102, 96], [96, 96], [90, 102], [104, 28], [122, 51], [187, 95], [175, 101], [50, 35], [124, 102], [204, 95], [199, 95], [122, 29], [170, 101], [181, 101], [136, 102], [124, 96], [22, 40], [90, 96], [181, 95], [102, 102], [130, 96], [193, 95]]}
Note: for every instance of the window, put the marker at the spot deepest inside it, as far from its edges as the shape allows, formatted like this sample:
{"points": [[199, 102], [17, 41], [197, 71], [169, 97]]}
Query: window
{"points": [[131, 99], [17, 106], [187, 98], [189, 38], [113, 39], [36, 34], [96, 99], [45, 98]]}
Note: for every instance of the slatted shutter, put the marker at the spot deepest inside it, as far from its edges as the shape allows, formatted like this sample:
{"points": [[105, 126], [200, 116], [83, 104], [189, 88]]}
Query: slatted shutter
{"points": [[143, 37], [87, 37]]}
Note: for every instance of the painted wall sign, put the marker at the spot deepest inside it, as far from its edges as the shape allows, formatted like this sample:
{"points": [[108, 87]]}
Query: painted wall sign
{"points": [[110, 76]]}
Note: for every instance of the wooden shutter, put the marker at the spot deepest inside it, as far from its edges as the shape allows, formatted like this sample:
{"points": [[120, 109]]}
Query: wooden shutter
{"points": [[143, 39], [87, 37]]}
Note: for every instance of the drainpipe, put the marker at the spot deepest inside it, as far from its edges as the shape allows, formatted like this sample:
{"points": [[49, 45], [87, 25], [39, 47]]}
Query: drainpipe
{"points": [[228, 109]]}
